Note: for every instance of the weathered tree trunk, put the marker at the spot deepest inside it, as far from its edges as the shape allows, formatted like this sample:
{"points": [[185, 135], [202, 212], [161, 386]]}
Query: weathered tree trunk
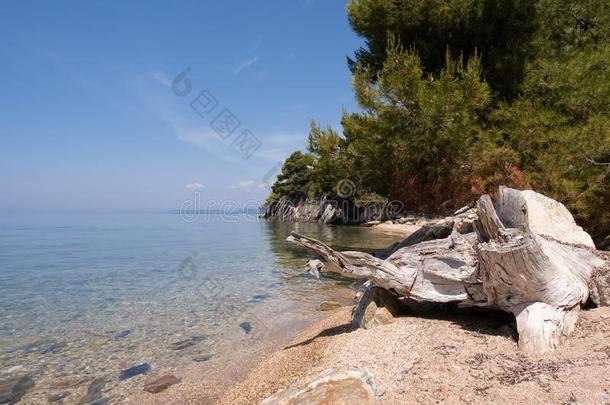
{"points": [[541, 276]]}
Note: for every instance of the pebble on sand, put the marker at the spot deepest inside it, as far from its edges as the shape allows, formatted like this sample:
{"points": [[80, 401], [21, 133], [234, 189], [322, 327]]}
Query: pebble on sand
{"points": [[94, 392], [246, 326], [134, 371], [12, 389], [203, 358], [161, 384], [329, 305]]}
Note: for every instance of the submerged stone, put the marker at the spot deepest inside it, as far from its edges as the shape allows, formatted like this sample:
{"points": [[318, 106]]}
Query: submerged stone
{"points": [[94, 392], [12, 389], [57, 396], [183, 344], [43, 346], [70, 382], [122, 334], [329, 305], [134, 371], [203, 358], [246, 326], [260, 297], [161, 384]]}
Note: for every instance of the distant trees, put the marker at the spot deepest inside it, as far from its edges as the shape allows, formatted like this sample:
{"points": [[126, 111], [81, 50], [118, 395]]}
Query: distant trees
{"points": [[458, 96], [295, 179]]}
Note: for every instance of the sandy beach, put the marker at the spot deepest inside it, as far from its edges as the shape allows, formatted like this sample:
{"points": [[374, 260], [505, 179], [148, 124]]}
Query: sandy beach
{"points": [[442, 357], [429, 356], [439, 356], [396, 229]]}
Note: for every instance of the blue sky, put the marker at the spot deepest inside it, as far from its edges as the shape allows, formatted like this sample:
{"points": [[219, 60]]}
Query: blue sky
{"points": [[89, 120]]}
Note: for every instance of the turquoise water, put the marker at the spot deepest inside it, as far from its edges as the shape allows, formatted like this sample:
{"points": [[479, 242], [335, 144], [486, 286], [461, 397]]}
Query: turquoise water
{"points": [[84, 295]]}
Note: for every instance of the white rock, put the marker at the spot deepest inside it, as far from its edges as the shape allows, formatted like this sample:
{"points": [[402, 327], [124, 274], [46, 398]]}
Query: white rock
{"points": [[343, 386]]}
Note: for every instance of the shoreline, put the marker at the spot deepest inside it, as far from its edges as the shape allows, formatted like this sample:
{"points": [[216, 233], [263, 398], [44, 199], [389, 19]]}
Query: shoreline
{"points": [[268, 365], [403, 230]]}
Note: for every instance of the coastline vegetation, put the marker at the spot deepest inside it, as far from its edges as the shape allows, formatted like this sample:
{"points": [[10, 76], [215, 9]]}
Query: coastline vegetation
{"points": [[459, 96]]}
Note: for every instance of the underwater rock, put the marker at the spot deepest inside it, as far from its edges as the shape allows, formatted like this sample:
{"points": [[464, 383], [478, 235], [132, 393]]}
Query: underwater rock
{"points": [[94, 392], [246, 326], [161, 384], [134, 371], [13, 388]]}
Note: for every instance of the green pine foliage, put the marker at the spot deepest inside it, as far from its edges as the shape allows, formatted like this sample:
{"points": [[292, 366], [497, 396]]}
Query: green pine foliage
{"points": [[459, 96], [295, 180]]}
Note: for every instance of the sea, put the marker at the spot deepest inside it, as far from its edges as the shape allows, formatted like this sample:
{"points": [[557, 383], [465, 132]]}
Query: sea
{"points": [[85, 297]]}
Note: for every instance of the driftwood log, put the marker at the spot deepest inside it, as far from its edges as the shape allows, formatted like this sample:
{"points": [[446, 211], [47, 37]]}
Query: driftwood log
{"points": [[527, 257]]}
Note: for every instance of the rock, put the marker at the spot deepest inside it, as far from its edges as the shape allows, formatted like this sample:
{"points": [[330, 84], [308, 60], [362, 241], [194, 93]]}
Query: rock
{"points": [[13, 388], [370, 223], [122, 334], [375, 316], [382, 317], [376, 307], [404, 220], [329, 305], [43, 346], [183, 344], [14, 368], [134, 371], [388, 222], [259, 297], [328, 214], [94, 392], [71, 382], [369, 316], [97, 342], [203, 358], [344, 386], [57, 396], [463, 209], [161, 384], [246, 326]]}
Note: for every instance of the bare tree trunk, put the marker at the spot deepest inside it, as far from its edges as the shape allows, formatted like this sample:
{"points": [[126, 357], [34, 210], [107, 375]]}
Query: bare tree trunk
{"points": [[542, 278]]}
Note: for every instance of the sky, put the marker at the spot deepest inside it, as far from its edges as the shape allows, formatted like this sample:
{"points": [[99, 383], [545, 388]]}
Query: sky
{"points": [[123, 106]]}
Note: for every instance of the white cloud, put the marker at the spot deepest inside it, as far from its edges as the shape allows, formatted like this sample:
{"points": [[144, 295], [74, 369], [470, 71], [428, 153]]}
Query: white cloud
{"points": [[246, 64], [160, 77], [245, 185], [194, 186]]}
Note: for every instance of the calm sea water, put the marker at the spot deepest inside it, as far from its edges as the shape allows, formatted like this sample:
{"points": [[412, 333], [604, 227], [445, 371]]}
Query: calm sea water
{"points": [[88, 295]]}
